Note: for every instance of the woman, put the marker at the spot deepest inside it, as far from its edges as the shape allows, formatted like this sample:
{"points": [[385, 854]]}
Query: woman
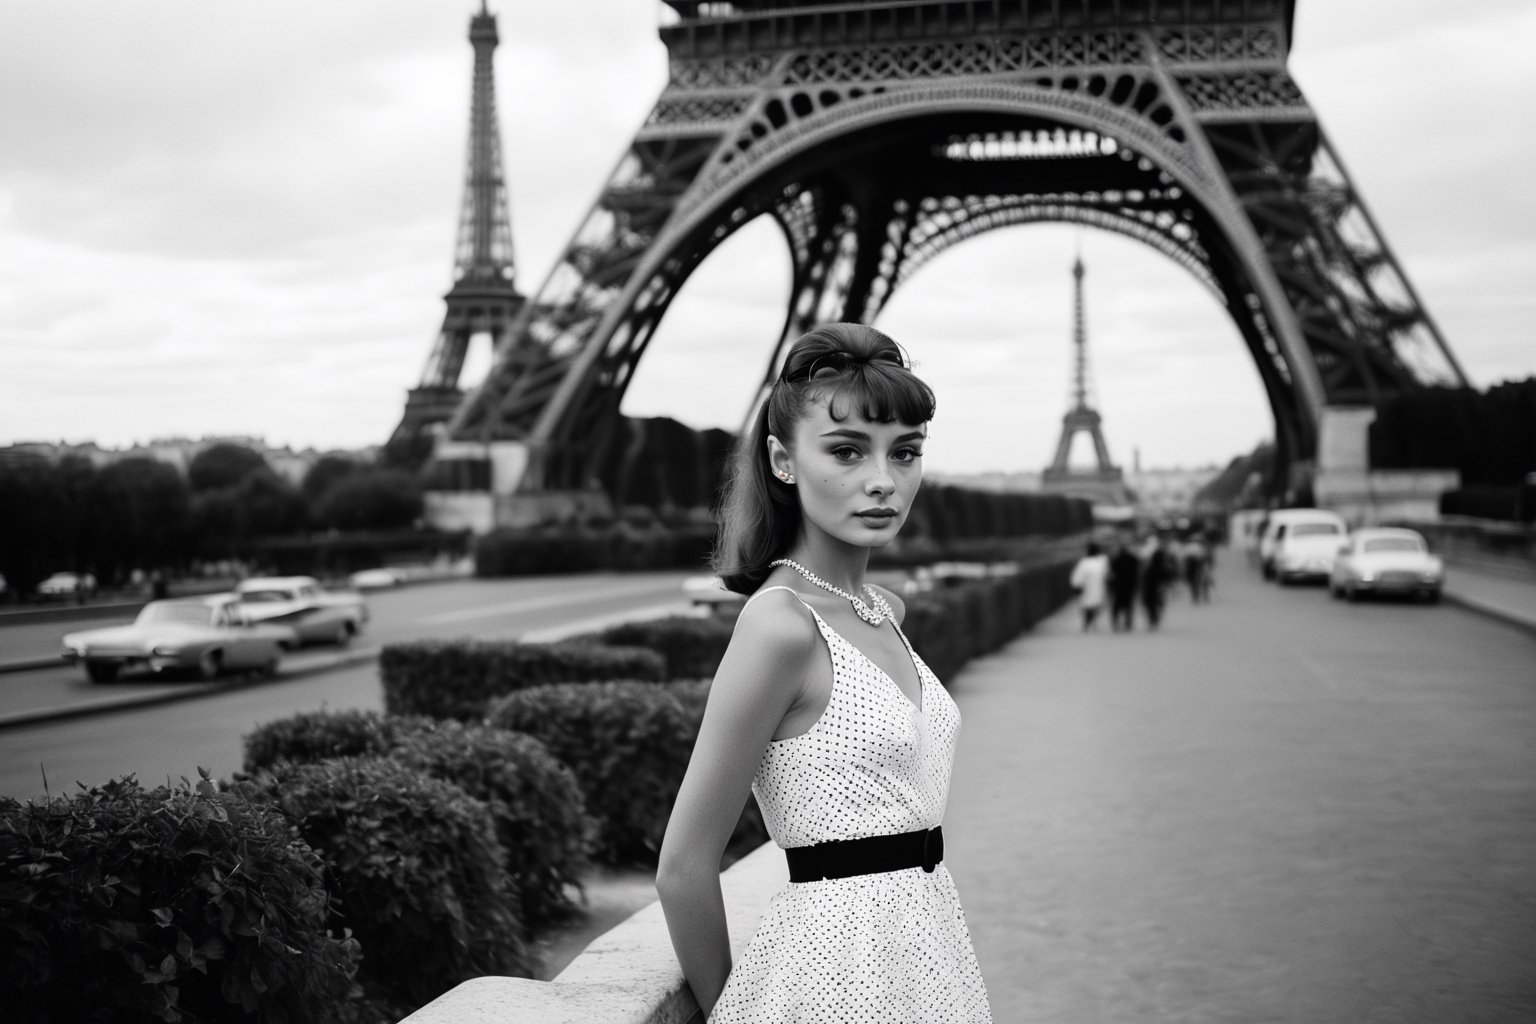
{"points": [[823, 711]]}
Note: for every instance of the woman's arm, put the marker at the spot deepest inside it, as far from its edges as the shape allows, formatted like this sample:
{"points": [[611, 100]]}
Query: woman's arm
{"points": [[761, 677]]}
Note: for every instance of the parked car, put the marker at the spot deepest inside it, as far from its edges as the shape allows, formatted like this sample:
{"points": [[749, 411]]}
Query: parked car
{"points": [[709, 592], [377, 579], [1300, 544], [67, 586], [1382, 560], [299, 602], [199, 636]]}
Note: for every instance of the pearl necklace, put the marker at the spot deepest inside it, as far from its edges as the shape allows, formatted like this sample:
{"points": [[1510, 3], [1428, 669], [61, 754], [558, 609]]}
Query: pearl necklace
{"points": [[874, 616]]}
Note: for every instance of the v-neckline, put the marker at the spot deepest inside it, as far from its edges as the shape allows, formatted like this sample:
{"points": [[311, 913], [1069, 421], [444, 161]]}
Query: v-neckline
{"points": [[916, 705]]}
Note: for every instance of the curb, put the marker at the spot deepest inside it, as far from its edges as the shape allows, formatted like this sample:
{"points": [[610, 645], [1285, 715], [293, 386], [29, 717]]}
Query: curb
{"points": [[1491, 611], [28, 664], [128, 701]]}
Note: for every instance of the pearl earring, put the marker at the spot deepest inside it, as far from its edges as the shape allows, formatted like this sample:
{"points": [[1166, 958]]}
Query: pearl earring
{"points": [[788, 478]]}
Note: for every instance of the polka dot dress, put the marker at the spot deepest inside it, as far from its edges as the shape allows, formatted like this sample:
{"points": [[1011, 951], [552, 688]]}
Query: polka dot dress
{"points": [[887, 948]]}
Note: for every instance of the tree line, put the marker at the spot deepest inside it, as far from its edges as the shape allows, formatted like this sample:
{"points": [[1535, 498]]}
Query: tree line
{"points": [[143, 514]]}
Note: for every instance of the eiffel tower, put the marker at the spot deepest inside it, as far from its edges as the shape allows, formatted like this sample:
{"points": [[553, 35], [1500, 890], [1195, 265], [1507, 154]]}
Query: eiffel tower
{"points": [[483, 299], [879, 134], [1104, 483]]}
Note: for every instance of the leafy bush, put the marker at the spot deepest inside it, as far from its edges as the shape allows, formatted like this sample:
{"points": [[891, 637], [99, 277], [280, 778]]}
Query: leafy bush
{"points": [[455, 678], [415, 867], [121, 903], [317, 735], [628, 743], [951, 625], [584, 548], [534, 800], [535, 804], [692, 647]]}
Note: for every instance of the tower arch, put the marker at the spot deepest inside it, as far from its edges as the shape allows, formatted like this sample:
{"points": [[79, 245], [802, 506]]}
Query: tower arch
{"points": [[878, 140]]}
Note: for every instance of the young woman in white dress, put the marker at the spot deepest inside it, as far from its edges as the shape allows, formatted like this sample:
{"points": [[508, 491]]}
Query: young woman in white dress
{"points": [[821, 708]]}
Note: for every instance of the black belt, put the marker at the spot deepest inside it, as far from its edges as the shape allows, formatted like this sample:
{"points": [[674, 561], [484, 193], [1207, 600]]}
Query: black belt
{"points": [[844, 858]]}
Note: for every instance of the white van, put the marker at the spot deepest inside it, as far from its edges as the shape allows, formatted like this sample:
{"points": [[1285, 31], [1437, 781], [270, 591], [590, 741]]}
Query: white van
{"points": [[1301, 543]]}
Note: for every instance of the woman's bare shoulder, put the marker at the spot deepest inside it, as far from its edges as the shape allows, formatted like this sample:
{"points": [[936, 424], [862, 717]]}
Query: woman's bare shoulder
{"points": [[776, 621]]}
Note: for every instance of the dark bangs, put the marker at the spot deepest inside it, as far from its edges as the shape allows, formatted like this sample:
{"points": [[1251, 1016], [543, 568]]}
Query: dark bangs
{"points": [[882, 392]]}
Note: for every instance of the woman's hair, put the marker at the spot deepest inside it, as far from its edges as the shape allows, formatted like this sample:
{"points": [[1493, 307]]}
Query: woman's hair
{"points": [[851, 366]]}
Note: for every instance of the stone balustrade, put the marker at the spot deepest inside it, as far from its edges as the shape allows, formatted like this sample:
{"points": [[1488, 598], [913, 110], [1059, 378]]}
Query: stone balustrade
{"points": [[628, 975]]}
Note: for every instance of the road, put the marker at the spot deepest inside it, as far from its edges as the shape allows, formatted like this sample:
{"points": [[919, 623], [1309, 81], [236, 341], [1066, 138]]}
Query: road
{"points": [[173, 740], [1280, 808]]}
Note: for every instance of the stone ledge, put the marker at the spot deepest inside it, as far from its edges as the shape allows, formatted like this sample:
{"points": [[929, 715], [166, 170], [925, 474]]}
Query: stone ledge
{"points": [[628, 975]]}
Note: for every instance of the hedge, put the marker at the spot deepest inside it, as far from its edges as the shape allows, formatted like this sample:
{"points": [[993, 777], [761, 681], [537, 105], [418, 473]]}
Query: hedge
{"points": [[690, 646], [535, 803], [317, 735], [414, 868], [628, 743], [173, 903], [951, 625], [456, 678], [586, 548], [533, 799]]}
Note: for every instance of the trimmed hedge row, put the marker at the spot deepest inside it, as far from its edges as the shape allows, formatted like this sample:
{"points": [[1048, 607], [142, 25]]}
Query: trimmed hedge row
{"points": [[952, 625], [691, 647], [456, 678], [413, 867], [124, 903], [580, 548], [534, 800]]}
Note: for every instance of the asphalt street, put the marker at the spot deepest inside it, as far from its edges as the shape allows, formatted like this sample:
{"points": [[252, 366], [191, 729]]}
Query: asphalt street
{"points": [[171, 740], [1279, 808]]}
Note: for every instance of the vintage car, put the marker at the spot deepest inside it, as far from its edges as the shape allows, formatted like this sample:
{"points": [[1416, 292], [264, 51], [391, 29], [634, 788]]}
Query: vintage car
{"points": [[299, 603], [1300, 544], [1381, 560], [66, 586], [377, 579], [199, 636]]}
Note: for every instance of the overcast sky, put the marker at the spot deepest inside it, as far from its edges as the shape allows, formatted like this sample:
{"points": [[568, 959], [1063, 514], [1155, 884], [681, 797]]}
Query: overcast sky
{"points": [[239, 219]]}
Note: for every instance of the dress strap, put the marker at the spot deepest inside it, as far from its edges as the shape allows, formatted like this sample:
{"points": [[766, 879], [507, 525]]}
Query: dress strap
{"points": [[821, 624]]}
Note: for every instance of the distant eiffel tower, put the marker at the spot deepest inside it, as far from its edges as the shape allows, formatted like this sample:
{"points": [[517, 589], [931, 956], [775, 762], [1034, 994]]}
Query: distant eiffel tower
{"points": [[483, 299], [1104, 483]]}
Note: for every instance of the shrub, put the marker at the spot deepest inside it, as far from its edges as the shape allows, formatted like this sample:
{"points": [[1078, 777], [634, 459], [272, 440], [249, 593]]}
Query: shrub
{"points": [[952, 625], [584, 548], [534, 800], [317, 735], [121, 903], [691, 647], [455, 678], [535, 803], [415, 867], [628, 743]]}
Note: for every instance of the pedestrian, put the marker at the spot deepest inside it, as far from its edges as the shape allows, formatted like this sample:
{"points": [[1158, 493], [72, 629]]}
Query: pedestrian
{"points": [[822, 710], [1158, 571], [1197, 568], [1090, 577], [1124, 578]]}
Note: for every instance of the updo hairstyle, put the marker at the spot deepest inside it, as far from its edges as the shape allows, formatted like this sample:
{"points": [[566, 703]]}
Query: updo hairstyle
{"points": [[851, 366]]}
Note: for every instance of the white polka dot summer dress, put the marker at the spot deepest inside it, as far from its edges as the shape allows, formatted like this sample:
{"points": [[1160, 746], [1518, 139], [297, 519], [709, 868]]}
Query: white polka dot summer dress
{"points": [[888, 948]]}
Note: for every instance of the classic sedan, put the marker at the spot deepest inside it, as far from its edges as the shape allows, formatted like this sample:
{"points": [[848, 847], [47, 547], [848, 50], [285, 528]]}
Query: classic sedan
{"points": [[199, 636], [298, 602], [1382, 560]]}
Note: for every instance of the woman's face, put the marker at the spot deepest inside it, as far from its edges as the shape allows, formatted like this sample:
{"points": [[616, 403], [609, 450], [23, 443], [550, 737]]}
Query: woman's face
{"points": [[855, 479]]}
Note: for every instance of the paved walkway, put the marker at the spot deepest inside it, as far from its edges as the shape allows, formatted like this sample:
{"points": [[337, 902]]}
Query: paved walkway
{"points": [[1278, 808]]}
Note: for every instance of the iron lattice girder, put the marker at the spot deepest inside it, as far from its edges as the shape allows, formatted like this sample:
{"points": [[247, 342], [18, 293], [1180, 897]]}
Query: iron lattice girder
{"points": [[841, 121]]}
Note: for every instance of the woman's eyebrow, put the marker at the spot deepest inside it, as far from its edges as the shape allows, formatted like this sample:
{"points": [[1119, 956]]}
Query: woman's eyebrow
{"points": [[856, 435]]}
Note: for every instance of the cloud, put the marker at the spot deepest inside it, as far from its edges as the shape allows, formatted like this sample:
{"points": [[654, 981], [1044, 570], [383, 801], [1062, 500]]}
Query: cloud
{"points": [[241, 219]]}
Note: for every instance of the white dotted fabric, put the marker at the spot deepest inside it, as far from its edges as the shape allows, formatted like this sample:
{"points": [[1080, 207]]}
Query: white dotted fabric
{"points": [[890, 947]]}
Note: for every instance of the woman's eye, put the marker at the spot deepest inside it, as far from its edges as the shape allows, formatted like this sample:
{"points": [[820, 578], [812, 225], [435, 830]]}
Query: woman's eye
{"points": [[847, 452], [907, 454]]}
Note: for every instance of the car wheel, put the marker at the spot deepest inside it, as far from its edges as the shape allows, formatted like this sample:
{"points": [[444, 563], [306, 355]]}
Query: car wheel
{"points": [[100, 671], [208, 665], [1334, 592], [1351, 594], [343, 635], [1431, 597], [1269, 571], [268, 669]]}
